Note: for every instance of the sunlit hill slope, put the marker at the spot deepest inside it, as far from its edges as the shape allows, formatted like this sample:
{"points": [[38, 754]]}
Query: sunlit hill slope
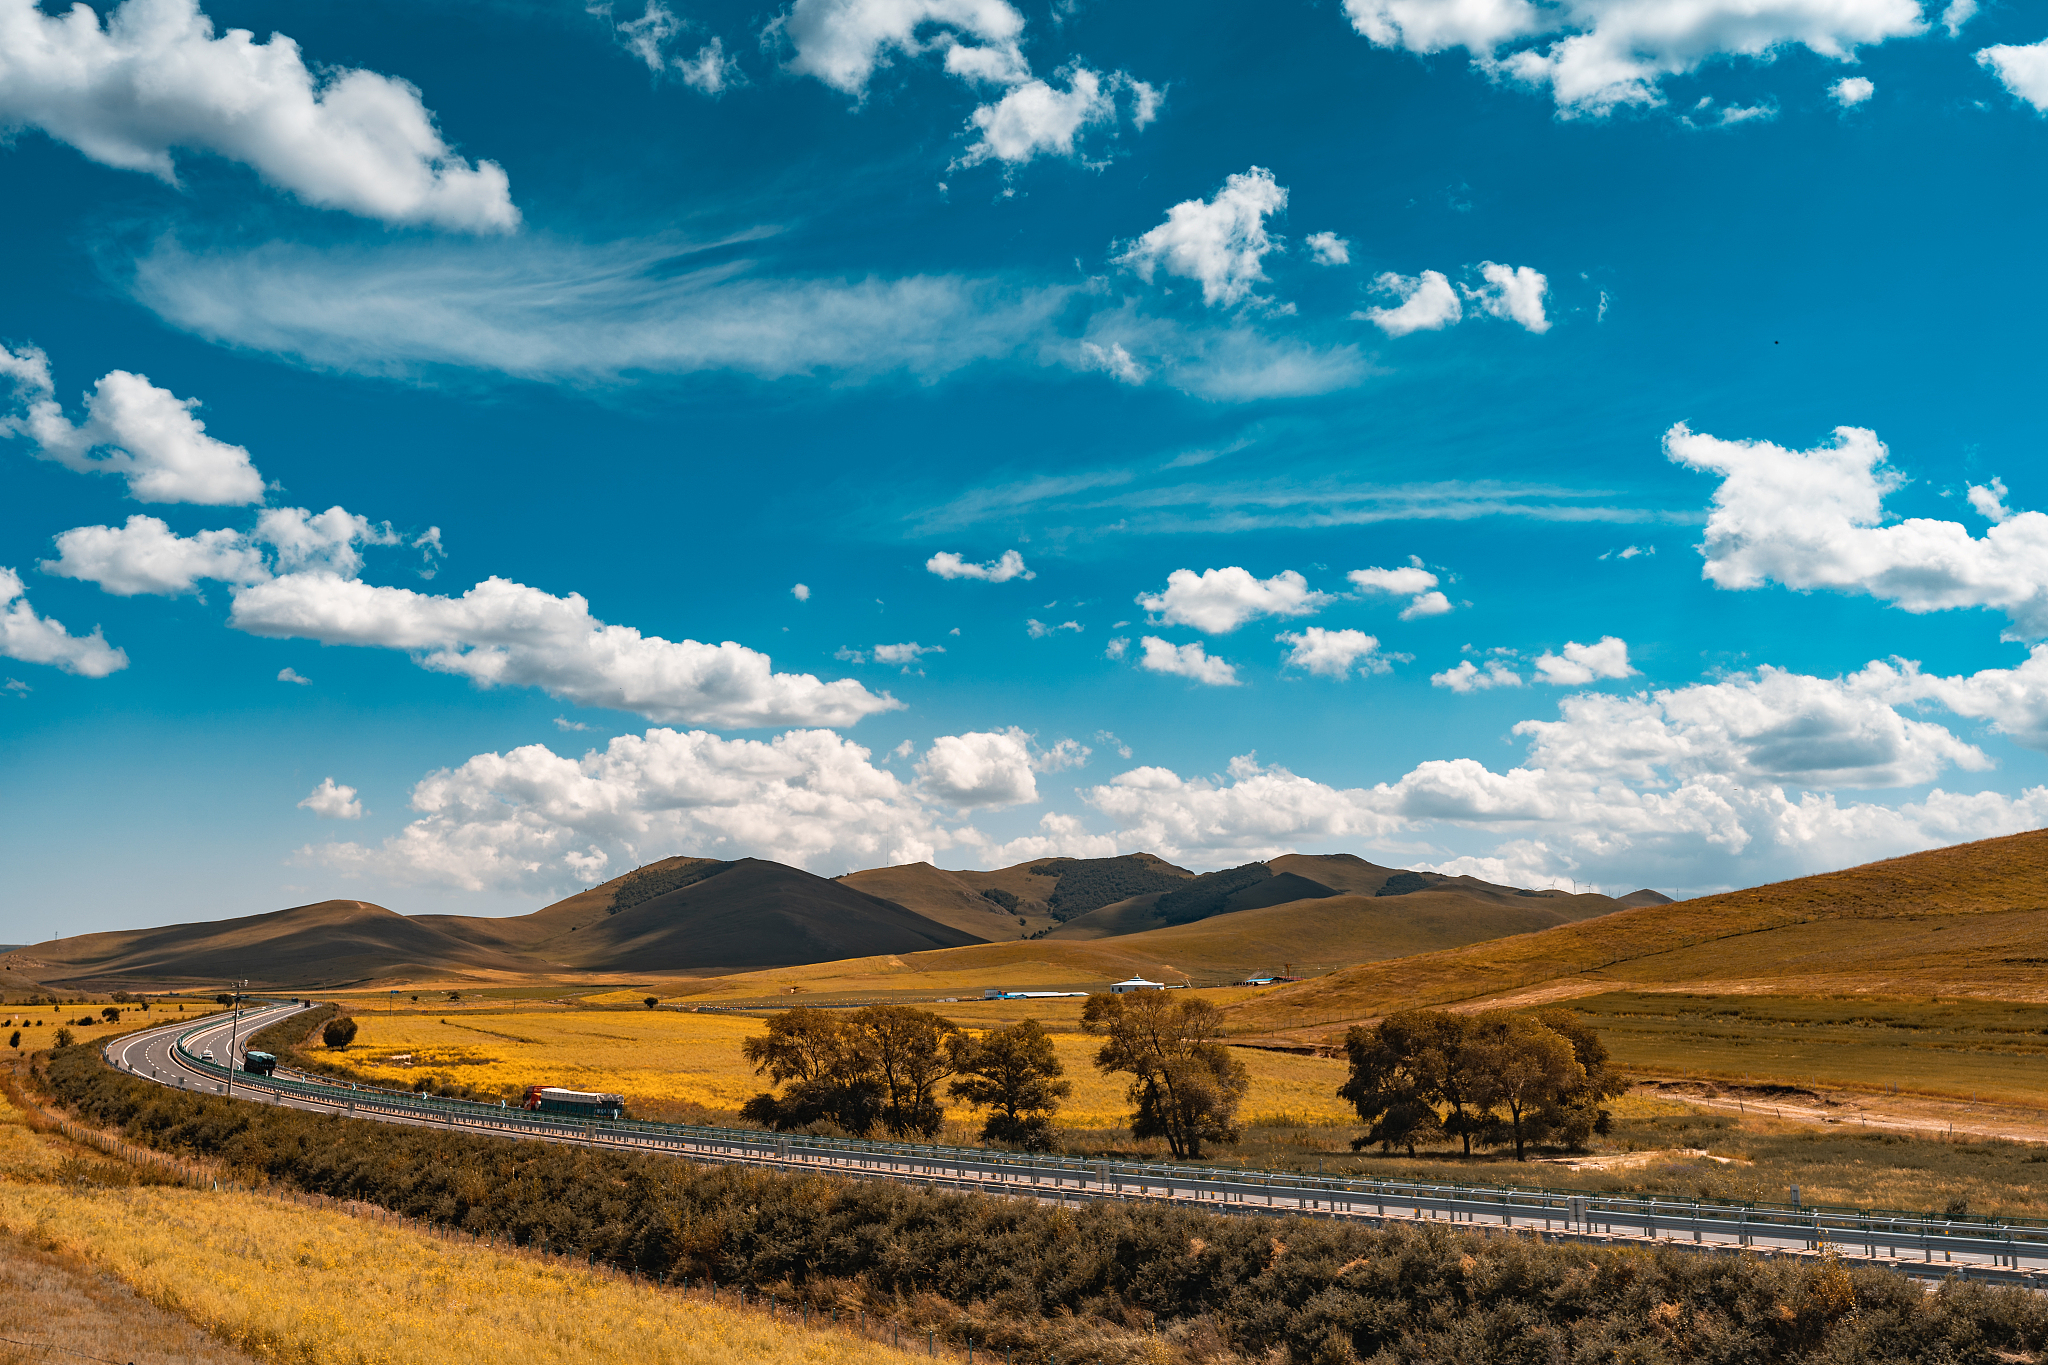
{"points": [[1968, 919]]}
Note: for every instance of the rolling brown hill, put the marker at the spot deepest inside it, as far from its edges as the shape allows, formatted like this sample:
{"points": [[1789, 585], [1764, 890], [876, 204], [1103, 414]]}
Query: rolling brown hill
{"points": [[952, 898], [1455, 908], [753, 913], [1971, 919], [332, 942]]}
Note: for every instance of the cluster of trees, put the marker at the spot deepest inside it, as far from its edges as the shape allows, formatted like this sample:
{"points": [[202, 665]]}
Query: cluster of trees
{"points": [[338, 1032], [1491, 1078], [883, 1066]]}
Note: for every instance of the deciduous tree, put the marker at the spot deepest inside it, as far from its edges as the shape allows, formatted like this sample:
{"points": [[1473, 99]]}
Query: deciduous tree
{"points": [[1015, 1074], [909, 1051], [1185, 1086], [1524, 1068]]}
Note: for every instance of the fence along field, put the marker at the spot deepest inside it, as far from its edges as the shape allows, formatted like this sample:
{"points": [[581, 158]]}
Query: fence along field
{"points": [[268, 1275]]}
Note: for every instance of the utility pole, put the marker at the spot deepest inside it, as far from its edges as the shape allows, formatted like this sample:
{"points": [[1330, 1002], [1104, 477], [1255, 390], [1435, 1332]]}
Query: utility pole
{"points": [[233, 1029]]}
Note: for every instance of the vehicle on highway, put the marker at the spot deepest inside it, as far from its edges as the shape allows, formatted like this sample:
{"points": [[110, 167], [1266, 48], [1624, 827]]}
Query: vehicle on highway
{"points": [[588, 1104], [259, 1063], [206, 1056]]}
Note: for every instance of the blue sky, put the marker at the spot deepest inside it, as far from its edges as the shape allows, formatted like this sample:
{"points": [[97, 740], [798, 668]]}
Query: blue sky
{"points": [[1581, 443]]}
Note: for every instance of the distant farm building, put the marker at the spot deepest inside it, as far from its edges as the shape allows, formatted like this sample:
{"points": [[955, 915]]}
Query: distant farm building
{"points": [[1136, 983]]}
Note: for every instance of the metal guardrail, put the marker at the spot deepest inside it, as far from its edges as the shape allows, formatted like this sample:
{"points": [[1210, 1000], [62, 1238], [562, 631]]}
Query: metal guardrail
{"points": [[1913, 1241]]}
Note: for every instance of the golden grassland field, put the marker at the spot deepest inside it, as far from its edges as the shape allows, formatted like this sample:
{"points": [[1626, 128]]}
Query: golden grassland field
{"points": [[663, 1061], [284, 1282]]}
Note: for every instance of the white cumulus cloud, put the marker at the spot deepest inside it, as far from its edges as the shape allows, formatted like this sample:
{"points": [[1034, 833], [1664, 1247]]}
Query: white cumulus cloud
{"points": [[146, 556], [1469, 677], [502, 633], [1327, 248], [908, 653], [1815, 519], [1727, 781], [37, 639], [1037, 117], [980, 769], [1577, 664], [146, 434], [331, 801], [947, 564], [2023, 71], [1218, 601], [1512, 292], [842, 42], [530, 819], [155, 80], [1186, 661], [1595, 56], [1217, 242], [1333, 653], [1851, 91], [1427, 303], [1413, 582]]}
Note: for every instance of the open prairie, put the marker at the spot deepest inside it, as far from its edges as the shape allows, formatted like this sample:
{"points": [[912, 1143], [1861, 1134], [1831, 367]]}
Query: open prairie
{"points": [[283, 1281]]}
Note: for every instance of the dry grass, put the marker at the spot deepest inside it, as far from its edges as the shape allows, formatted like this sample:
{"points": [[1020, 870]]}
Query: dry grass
{"points": [[665, 1061], [314, 1286], [52, 1302], [1963, 920]]}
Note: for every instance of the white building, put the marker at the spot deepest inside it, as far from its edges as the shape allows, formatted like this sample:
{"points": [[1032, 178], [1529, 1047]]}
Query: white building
{"points": [[1136, 983]]}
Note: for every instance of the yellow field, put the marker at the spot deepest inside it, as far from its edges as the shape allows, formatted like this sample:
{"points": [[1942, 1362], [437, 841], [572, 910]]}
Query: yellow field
{"points": [[42, 1033], [659, 1059], [312, 1286]]}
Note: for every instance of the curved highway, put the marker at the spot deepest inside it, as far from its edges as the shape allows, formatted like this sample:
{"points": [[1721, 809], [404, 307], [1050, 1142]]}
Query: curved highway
{"points": [[176, 1055]]}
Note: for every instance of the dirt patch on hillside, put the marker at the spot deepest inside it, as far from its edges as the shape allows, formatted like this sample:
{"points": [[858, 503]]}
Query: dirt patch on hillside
{"points": [[1920, 1115]]}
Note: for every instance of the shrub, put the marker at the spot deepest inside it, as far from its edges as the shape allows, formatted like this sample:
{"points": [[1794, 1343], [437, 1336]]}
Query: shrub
{"points": [[65, 1037], [651, 1002], [339, 1032]]}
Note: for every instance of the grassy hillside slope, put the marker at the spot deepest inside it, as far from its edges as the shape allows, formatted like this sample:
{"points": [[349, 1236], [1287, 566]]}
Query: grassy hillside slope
{"points": [[1972, 919], [332, 941], [535, 932], [1329, 932], [951, 898]]}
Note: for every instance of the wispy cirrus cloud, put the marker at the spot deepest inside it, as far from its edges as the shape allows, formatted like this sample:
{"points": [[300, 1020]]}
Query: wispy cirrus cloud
{"points": [[1125, 501], [549, 309]]}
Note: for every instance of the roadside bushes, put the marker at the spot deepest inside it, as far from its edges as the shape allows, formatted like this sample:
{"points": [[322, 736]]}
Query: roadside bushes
{"points": [[1041, 1278]]}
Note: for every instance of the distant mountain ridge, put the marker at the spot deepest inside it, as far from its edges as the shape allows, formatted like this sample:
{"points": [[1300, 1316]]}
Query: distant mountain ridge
{"points": [[689, 914]]}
